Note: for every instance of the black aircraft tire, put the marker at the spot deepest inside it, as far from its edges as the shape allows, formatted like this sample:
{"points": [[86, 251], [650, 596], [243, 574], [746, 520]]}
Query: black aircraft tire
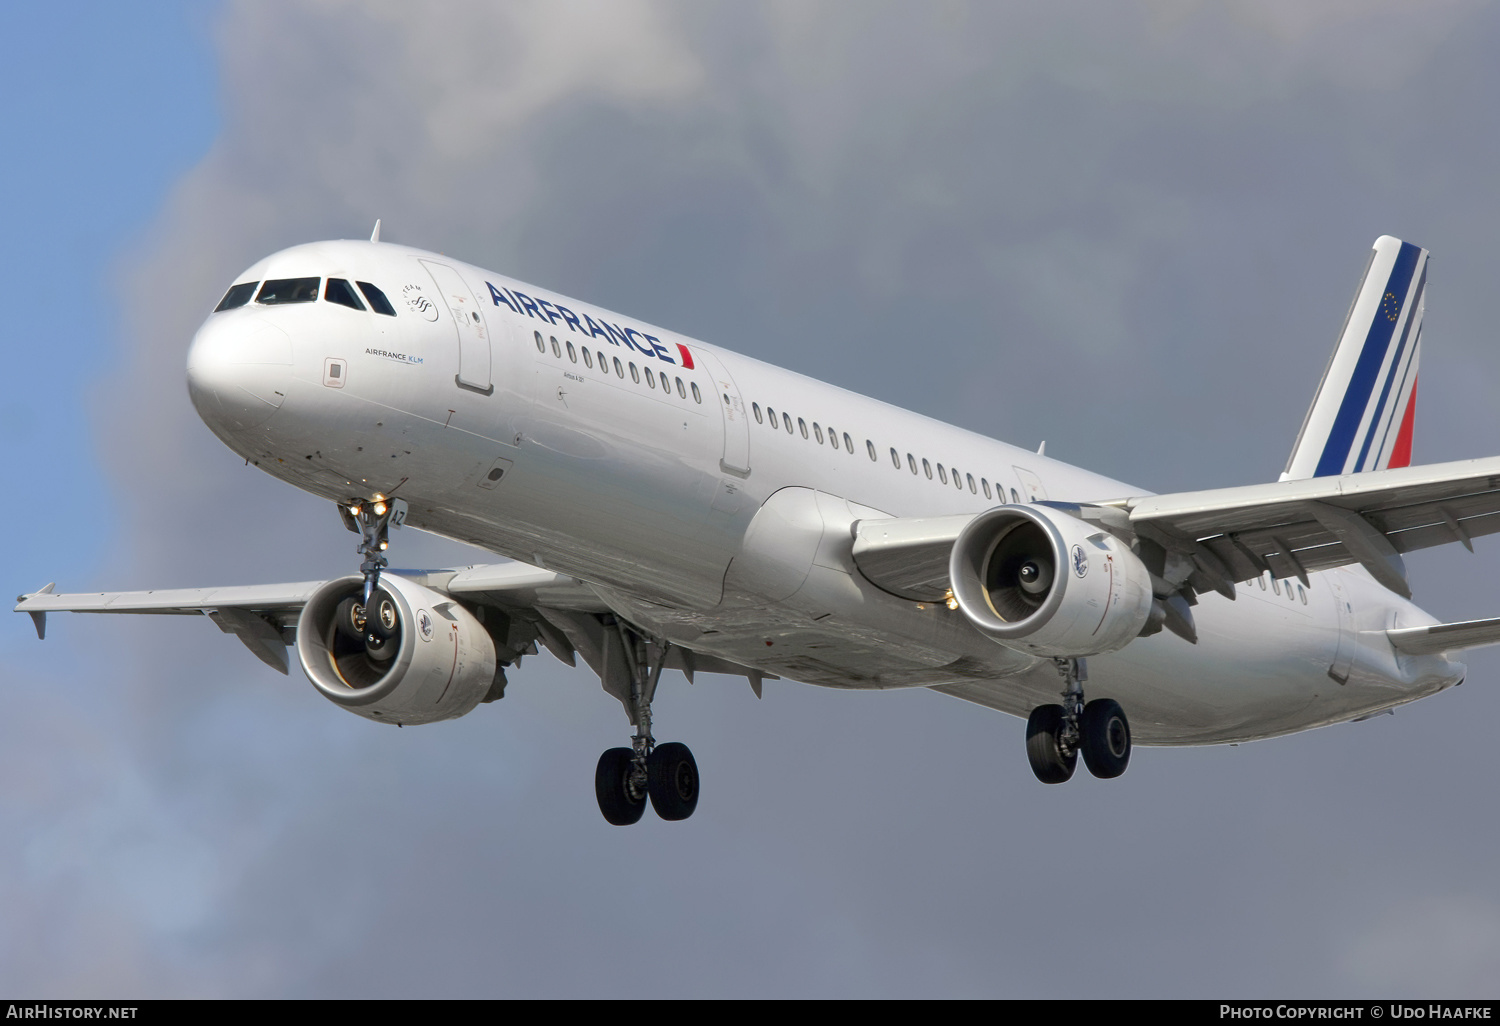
{"points": [[1105, 738], [673, 776], [609, 787], [1043, 731]]}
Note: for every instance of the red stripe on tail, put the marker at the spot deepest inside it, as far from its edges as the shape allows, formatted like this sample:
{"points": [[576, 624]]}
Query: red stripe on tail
{"points": [[1401, 453]]}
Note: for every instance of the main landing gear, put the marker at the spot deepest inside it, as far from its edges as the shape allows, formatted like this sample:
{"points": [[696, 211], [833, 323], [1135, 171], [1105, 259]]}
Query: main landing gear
{"points": [[665, 773], [1056, 734]]}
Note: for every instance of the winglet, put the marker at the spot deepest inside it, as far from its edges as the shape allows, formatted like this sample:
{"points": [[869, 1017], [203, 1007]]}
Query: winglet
{"points": [[375, 235], [39, 619]]}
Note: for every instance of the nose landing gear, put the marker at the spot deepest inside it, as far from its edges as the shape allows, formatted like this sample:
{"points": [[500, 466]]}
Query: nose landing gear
{"points": [[1056, 734]]}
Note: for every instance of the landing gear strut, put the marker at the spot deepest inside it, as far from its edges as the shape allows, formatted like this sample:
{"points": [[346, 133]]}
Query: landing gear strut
{"points": [[667, 773], [372, 521], [1056, 734]]}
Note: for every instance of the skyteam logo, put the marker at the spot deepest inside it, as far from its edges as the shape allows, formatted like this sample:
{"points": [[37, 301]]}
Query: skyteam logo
{"points": [[1080, 562]]}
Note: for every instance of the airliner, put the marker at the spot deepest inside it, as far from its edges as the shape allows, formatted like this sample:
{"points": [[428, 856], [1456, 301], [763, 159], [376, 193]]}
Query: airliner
{"points": [[665, 504]]}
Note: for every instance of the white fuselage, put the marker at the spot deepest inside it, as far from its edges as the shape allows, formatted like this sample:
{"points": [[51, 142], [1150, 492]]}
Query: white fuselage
{"points": [[695, 517]]}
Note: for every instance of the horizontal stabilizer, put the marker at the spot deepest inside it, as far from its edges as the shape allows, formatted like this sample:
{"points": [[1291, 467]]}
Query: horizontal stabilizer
{"points": [[1445, 637]]}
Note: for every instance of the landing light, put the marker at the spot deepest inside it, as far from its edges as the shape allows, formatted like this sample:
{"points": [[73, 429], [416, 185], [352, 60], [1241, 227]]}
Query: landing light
{"points": [[380, 509], [949, 600]]}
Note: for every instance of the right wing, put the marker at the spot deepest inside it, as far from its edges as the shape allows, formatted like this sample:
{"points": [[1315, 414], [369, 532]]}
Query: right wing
{"points": [[1292, 528]]}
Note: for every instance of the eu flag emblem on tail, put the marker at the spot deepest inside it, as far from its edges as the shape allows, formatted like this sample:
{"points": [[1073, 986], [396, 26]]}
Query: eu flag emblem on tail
{"points": [[1361, 417]]}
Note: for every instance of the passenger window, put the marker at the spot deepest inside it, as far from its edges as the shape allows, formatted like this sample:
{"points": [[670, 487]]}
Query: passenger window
{"points": [[895, 458], [942, 474], [619, 367], [1302, 594], [650, 378], [786, 418], [985, 482], [972, 487], [927, 468], [377, 299], [1276, 586], [697, 395], [1015, 496], [280, 291], [239, 295], [603, 362], [588, 361], [341, 292], [817, 433], [957, 481], [635, 375], [1262, 580], [848, 443], [833, 438], [755, 409], [870, 448], [911, 461], [683, 393], [572, 353], [802, 426], [556, 349], [772, 415], [541, 343]]}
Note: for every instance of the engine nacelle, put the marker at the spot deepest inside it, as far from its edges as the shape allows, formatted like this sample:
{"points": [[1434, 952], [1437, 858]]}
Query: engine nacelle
{"points": [[1041, 581], [417, 657]]}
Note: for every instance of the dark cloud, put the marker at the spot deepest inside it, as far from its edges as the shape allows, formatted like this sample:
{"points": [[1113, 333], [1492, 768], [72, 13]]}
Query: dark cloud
{"points": [[1131, 229]]}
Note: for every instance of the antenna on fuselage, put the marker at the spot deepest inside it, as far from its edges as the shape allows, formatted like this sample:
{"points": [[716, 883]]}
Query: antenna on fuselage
{"points": [[375, 235]]}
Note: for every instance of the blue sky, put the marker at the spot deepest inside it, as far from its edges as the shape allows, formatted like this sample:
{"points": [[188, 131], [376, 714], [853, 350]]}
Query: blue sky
{"points": [[106, 106], [1129, 228]]}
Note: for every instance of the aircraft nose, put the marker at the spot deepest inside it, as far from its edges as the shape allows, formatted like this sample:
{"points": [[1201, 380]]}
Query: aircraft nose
{"points": [[238, 371]]}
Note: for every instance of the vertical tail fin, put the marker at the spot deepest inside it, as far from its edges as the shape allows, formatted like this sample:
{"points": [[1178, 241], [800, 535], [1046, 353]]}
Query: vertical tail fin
{"points": [[1361, 417]]}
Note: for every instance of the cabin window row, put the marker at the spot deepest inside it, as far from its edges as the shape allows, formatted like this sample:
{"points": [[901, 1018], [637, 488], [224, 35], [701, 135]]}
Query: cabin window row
{"points": [[818, 434], [783, 422], [944, 475], [285, 291], [1276, 586], [597, 359]]}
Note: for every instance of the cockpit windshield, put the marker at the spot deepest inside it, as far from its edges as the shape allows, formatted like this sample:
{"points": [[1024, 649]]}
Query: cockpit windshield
{"points": [[239, 295], [341, 292], [377, 299], [288, 290]]}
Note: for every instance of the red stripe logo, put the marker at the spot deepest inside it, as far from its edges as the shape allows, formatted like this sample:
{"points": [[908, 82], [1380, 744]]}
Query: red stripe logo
{"points": [[687, 357]]}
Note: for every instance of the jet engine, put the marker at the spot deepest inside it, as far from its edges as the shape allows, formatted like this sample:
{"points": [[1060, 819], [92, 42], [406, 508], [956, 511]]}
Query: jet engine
{"points": [[415, 656], [1041, 581]]}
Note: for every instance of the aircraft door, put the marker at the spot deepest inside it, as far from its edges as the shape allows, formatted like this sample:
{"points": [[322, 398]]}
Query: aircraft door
{"points": [[1343, 656], [1031, 485], [469, 325], [736, 458]]}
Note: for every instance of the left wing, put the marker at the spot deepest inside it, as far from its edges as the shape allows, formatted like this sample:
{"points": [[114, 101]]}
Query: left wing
{"points": [[561, 612]]}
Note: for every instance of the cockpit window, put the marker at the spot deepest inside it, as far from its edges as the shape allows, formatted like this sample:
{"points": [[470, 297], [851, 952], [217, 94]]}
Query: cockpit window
{"points": [[341, 292], [377, 299], [239, 295], [288, 290]]}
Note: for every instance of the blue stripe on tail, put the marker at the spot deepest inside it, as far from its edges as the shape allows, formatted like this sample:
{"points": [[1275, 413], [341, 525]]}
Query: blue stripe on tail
{"points": [[1362, 382]]}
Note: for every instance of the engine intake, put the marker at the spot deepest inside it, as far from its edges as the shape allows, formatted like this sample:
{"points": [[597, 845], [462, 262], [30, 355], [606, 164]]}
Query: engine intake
{"points": [[1041, 581], [415, 657]]}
